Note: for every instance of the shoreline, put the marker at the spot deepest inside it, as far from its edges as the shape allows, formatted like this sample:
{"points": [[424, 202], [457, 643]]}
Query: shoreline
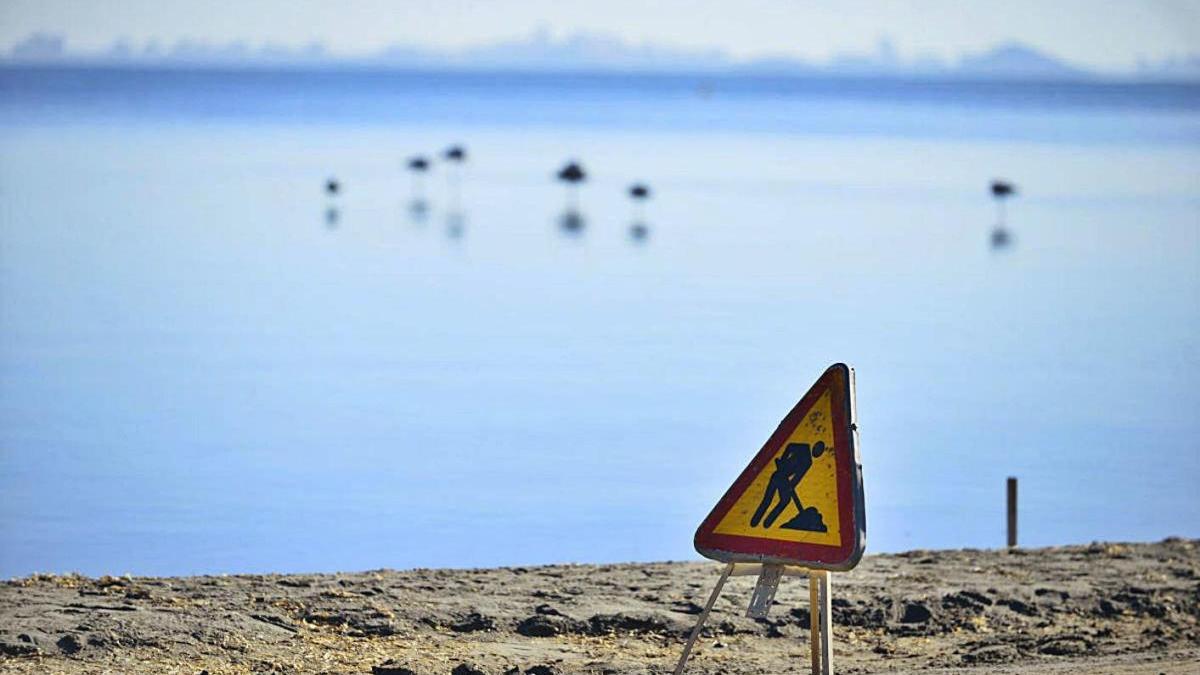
{"points": [[1100, 607]]}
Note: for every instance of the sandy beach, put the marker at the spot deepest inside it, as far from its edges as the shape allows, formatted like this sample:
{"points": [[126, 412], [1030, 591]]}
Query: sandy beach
{"points": [[1100, 608]]}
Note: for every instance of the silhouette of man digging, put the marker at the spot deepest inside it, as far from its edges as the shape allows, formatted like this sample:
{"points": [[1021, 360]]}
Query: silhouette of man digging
{"points": [[790, 468]]}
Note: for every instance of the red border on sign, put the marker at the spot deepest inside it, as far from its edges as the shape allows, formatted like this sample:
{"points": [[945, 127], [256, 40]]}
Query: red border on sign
{"points": [[737, 548]]}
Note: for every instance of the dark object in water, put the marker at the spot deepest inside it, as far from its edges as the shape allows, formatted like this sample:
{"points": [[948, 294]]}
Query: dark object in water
{"points": [[1000, 238], [418, 208], [332, 216], [639, 231], [572, 221], [1002, 188], [1001, 191], [456, 155], [332, 186], [639, 193], [456, 225], [572, 173]]}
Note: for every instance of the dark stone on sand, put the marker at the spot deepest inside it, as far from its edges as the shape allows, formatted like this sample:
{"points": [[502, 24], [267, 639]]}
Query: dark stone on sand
{"points": [[97, 641], [772, 629], [106, 608], [622, 622], [800, 615], [992, 654], [392, 667], [473, 623], [137, 594], [467, 669], [1142, 602], [23, 645], [549, 625], [371, 628], [273, 620], [1067, 645], [542, 670], [69, 644], [537, 626], [915, 612], [872, 614], [325, 618], [687, 607], [966, 600], [1019, 606]]}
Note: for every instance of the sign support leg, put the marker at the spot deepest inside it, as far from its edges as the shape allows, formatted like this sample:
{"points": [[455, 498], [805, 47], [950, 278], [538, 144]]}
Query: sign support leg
{"points": [[820, 613], [814, 623], [826, 625], [712, 600], [764, 591]]}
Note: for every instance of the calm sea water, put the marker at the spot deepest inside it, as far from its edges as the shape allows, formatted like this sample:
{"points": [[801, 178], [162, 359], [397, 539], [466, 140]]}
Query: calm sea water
{"points": [[197, 374]]}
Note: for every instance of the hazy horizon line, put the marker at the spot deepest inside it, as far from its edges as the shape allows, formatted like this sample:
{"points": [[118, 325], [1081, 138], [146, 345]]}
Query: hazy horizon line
{"points": [[539, 50]]}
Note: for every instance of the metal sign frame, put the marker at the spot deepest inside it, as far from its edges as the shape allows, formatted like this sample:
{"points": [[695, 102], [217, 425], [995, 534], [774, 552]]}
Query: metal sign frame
{"points": [[838, 379]]}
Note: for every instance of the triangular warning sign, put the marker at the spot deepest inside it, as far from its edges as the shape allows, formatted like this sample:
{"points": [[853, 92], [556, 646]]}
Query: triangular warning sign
{"points": [[800, 501]]}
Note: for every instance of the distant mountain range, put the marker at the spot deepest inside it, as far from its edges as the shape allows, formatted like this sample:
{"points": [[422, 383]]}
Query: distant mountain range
{"points": [[591, 52]]}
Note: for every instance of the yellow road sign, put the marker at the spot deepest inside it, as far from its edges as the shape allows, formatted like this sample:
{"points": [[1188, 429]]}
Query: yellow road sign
{"points": [[800, 500]]}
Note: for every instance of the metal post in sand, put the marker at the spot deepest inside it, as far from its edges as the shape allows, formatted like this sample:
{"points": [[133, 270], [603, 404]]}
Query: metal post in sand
{"points": [[1012, 511]]}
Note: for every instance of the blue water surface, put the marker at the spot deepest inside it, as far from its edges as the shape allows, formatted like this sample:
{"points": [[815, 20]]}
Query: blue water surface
{"points": [[199, 374]]}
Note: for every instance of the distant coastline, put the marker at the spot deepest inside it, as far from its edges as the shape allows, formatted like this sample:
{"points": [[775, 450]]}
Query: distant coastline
{"points": [[594, 54], [597, 73]]}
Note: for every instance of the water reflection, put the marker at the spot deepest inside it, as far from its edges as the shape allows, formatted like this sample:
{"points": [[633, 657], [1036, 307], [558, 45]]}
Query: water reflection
{"points": [[418, 165], [572, 222], [418, 210], [639, 231], [1001, 238], [572, 175], [1002, 190], [332, 213], [456, 224], [456, 157]]}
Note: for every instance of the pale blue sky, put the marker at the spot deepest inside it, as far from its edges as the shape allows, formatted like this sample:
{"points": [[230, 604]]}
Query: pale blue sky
{"points": [[1104, 34]]}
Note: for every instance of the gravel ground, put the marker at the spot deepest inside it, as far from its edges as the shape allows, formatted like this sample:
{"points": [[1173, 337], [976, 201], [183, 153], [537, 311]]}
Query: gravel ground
{"points": [[1101, 608]]}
